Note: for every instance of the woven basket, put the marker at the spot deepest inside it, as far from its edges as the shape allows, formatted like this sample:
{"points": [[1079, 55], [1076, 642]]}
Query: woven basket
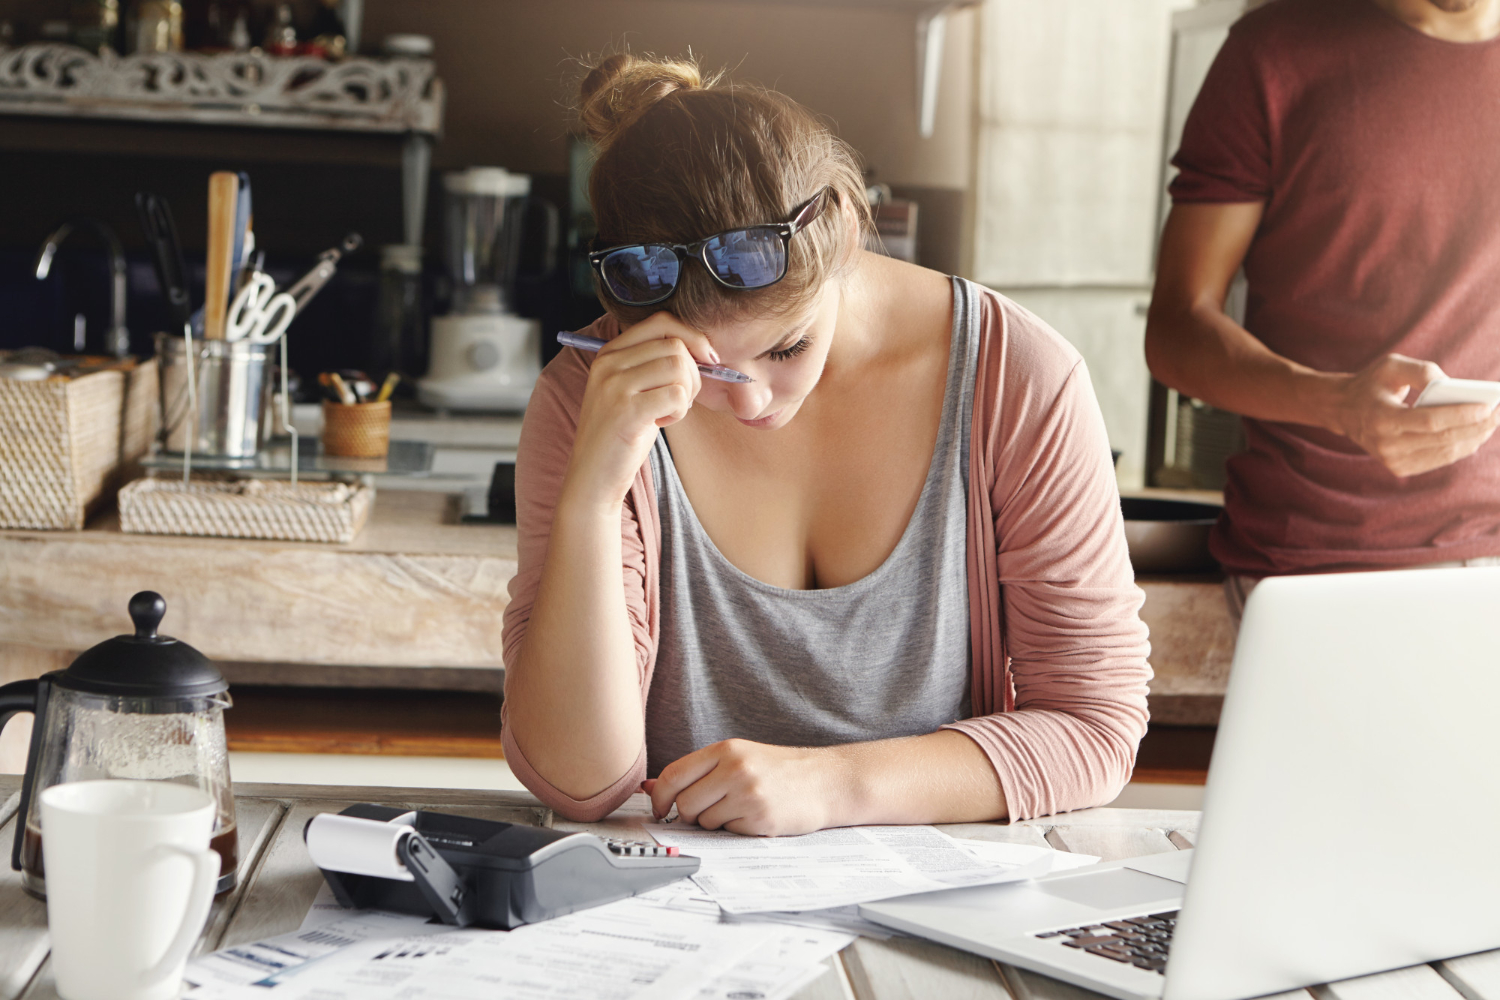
{"points": [[64, 441], [220, 506], [357, 430]]}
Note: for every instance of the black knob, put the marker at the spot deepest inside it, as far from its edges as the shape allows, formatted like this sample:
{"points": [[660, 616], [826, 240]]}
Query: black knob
{"points": [[147, 609]]}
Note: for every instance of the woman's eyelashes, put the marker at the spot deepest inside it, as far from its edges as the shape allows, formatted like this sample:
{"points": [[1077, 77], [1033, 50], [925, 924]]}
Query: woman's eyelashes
{"points": [[787, 353]]}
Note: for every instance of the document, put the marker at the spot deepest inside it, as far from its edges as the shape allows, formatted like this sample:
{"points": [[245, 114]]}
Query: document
{"points": [[266, 964], [841, 919], [778, 968], [669, 942], [832, 868], [1024, 854]]}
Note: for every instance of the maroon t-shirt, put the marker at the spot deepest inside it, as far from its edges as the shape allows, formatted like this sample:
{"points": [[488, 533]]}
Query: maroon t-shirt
{"points": [[1376, 150]]}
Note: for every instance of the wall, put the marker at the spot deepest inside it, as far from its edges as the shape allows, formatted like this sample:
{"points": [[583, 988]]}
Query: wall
{"points": [[512, 66], [1071, 103]]}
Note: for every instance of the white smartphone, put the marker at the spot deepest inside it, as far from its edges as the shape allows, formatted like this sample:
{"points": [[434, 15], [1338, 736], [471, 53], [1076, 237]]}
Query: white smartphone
{"points": [[1453, 391]]}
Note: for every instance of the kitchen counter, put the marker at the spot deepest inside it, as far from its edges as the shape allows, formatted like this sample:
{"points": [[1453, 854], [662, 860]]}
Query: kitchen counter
{"points": [[416, 589], [1192, 646]]}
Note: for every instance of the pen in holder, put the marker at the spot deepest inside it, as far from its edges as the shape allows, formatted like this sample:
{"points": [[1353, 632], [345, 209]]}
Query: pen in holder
{"points": [[356, 430]]}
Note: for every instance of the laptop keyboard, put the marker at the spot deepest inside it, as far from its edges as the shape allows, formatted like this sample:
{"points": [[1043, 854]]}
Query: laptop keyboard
{"points": [[1139, 941]]}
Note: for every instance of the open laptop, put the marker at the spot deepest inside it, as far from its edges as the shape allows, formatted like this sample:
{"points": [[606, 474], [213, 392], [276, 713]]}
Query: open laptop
{"points": [[1362, 719]]}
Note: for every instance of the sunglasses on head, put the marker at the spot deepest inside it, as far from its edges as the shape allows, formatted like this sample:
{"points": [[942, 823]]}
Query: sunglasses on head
{"points": [[643, 274]]}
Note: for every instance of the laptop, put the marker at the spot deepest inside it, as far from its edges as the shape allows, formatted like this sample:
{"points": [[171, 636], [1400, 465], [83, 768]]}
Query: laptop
{"points": [[1362, 720]]}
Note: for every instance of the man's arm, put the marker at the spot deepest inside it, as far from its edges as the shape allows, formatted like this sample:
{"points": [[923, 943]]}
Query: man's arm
{"points": [[1193, 346]]}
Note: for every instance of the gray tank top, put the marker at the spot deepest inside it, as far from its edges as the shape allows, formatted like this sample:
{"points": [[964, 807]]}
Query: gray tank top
{"points": [[884, 656]]}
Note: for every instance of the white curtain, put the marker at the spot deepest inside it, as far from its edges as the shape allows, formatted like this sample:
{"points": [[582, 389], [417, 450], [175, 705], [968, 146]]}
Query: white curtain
{"points": [[1072, 100]]}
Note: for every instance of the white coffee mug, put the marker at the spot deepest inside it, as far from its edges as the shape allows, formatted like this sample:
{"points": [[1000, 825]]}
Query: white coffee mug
{"points": [[130, 879]]}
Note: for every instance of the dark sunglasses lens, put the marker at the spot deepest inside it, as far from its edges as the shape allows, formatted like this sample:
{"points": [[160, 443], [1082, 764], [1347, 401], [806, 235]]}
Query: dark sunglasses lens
{"points": [[747, 258], [640, 274]]}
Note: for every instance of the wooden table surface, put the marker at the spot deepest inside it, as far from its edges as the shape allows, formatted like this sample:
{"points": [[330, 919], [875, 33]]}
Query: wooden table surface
{"points": [[278, 883]]}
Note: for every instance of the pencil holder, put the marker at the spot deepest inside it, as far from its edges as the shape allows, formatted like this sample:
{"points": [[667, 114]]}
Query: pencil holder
{"points": [[357, 430]]}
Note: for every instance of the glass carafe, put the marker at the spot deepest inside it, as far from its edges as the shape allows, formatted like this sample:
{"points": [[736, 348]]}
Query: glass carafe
{"points": [[143, 707]]}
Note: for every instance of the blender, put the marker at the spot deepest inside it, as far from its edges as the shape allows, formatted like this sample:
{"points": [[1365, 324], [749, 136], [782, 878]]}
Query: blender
{"points": [[484, 356]]}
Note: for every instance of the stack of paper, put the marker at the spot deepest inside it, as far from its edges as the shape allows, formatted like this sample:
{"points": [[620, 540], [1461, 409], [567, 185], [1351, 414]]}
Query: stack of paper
{"points": [[667, 943], [818, 880], [758, 919]]}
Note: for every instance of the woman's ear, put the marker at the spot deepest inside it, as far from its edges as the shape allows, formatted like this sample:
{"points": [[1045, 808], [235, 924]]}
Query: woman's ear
{"points": [[854, 236]]}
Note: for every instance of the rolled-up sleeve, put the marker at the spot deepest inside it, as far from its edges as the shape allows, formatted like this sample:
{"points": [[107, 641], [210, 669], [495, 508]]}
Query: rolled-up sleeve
{"points": [[546, 445], [1069, 605]]}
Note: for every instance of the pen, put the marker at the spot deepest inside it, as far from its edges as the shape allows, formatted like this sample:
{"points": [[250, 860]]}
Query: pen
{"points": [[709, 371], [387, 387], [346, 395]]}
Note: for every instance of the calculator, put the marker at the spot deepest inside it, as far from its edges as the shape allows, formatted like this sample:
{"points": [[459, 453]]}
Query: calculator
{"points": [[467, 871]]}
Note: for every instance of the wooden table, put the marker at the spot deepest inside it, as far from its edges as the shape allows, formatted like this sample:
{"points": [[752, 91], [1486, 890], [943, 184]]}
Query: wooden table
{"points": [[278, 882]]}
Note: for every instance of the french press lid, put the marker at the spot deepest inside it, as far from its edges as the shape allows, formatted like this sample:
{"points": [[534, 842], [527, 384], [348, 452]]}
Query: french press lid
{"points": [[144, 665]]}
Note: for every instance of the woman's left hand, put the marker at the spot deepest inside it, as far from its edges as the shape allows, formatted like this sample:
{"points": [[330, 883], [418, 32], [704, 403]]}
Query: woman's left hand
{"points": [[756, 788]]}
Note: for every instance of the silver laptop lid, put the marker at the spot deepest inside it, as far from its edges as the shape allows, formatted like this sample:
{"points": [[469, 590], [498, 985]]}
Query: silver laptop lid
{"points": [[1362, 718]]}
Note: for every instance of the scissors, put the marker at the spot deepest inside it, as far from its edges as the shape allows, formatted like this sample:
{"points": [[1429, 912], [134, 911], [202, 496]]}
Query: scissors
{"points": [[259, 313], [262, 314]]}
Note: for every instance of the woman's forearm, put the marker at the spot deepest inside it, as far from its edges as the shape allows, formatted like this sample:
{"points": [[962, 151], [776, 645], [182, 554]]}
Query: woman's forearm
{"points": [[943, 777], [573, 700]]}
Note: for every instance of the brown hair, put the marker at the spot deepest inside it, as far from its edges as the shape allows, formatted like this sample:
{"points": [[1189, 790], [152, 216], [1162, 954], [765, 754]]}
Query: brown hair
{"points": [[681, 157]]}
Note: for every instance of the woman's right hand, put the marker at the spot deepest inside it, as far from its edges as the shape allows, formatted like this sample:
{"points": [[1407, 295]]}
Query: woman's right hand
{"points": [[643, 380]]}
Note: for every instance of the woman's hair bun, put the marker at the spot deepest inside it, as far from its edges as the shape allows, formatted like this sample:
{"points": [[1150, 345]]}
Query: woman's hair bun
{"points": [[622, 87]]}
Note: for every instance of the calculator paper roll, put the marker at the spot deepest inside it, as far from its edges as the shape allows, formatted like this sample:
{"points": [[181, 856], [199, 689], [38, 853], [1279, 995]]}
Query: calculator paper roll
{"points": [[357, 846]]}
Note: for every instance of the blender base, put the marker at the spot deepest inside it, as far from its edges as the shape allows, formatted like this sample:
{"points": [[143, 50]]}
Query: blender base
{"points": [[488, 361]]}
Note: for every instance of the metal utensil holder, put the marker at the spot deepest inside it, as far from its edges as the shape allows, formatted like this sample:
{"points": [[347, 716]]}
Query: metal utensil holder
{"points": [[212, 406]]}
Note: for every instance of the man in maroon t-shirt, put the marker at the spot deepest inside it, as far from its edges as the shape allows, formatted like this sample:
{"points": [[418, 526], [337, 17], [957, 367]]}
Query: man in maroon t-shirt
{"points": [[1346, 153]]}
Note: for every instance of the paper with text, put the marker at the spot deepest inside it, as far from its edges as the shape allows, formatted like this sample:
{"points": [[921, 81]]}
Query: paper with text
{"points": [[831, 868]]}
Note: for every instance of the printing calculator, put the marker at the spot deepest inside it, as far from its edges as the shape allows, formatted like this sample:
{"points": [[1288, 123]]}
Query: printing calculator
{"points": [[485, 873]]}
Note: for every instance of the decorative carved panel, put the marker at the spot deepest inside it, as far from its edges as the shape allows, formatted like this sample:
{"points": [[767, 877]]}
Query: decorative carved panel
{"points": [[251, 89]]}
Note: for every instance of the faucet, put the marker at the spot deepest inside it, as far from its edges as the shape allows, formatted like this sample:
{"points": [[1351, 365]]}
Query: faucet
{"points": [[117, 337]]}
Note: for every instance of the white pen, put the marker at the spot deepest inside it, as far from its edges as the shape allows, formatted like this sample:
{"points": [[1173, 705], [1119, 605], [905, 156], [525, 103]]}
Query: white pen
{"points": [[719, 372]]}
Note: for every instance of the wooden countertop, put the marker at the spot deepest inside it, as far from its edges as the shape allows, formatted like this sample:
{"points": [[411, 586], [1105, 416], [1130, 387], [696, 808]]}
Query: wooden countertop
{"points": [[416, 588]]}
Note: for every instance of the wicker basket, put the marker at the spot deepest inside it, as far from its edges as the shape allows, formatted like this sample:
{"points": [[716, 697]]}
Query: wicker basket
{"points": [[220, 506], [64, 441], [357, 430]]}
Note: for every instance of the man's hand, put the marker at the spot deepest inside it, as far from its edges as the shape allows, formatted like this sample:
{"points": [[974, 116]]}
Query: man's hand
{"points": [[1372, 412], [755, 788]]}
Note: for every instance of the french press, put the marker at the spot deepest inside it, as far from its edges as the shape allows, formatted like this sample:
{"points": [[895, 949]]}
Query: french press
{"points": [[142, 706]]}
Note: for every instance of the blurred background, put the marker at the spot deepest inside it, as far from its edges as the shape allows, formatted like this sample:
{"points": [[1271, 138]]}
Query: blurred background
{"points": [[1038, 170], [1023, 145]]}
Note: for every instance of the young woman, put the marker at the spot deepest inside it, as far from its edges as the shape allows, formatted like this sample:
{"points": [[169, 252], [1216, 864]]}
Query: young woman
{"points": [[883, 581]]}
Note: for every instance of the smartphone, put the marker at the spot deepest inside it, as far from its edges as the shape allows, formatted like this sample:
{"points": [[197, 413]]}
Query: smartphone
{"points": [[1453, 391]]}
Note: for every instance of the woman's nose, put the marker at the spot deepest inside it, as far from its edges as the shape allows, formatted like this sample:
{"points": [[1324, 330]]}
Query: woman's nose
{"points": [[749, 400]]}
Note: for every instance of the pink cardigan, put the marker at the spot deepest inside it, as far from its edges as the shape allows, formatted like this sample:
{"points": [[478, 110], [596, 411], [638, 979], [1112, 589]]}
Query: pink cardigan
{"points": [[1057, 647]]}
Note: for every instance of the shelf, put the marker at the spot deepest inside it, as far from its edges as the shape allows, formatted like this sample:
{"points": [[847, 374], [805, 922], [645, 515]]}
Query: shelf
{"points": [[406, 458], [244, 90]]}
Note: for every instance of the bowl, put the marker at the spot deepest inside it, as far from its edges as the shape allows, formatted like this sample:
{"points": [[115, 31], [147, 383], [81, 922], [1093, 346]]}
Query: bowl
{"points": [[1168, 536]]}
